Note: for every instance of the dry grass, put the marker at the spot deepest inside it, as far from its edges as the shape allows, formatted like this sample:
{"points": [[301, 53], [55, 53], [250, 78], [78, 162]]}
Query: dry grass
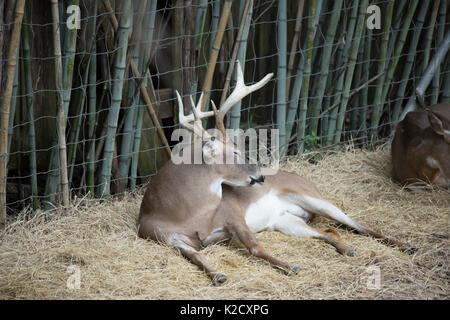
{"points": [[101, 240]]}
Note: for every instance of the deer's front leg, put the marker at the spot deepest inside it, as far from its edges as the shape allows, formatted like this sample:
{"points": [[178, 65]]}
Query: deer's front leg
{"points": [[244, 234]]}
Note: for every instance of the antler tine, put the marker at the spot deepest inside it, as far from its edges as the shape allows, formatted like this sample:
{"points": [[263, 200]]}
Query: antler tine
{"points": [[184, 121], [196, 115], [239, 92]]}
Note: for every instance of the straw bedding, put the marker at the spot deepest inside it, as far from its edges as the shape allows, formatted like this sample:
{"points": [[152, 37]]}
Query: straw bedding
{"points": [[100, 239]]}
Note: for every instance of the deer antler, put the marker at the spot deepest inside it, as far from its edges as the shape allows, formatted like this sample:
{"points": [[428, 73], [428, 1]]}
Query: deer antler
{"points": [[239, 92], [195, 117]]}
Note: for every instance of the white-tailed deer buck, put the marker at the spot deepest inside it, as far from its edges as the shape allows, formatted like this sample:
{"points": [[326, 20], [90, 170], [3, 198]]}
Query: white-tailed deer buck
{"points": [[192, 206], [421, 147]]}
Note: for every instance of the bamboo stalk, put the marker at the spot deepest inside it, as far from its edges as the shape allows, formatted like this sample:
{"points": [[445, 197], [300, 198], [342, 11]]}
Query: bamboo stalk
{"points": [[13, 104], [61, 115], [446, 90], [236, 47], [241, 43], [73, 142], [398, 48], [439, 38], [215, 51], [197, 42], [30, 109], [378, 103], [428, 75], [364, 97], [142, 87], [186, 34], [407, 66], [281, 70], [343, 53], [296, 89], [357, 79], [395, 29], [91, 118], [127, 133], [350, 70], [301, 127], [215, 16], [429, 35], [294, 46], [324, 66], [144, 59], [67, 75], [6, 103], [113, 115]]}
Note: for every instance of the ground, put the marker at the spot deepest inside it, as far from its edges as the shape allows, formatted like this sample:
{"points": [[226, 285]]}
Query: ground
{"points": [[99, 241]]}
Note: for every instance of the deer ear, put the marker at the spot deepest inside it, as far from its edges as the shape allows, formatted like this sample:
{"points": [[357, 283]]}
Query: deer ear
{"points": [[209, 149], [438, 125]]}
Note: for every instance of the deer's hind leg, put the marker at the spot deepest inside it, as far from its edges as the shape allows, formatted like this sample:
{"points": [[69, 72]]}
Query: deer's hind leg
{"points": [[326, 209], [245, 235], [188, 249], [292, 225]]}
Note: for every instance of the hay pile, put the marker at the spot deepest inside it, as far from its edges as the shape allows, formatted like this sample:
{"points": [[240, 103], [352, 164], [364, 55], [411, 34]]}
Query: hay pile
{"points": [[114, 264]]}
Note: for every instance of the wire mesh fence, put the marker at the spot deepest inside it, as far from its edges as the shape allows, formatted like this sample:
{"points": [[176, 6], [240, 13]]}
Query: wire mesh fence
{"points": [[344, 71]]}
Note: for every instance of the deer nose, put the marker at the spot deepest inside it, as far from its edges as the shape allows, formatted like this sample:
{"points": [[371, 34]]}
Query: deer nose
{"points": [[260, 179]]}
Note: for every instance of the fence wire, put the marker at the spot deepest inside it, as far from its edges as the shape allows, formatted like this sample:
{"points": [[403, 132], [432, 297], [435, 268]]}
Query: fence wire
{"points": [[173, 54]]}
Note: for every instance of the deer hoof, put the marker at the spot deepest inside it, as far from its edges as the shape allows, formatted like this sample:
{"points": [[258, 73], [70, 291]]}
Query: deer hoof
{"points": [[219, 279], [351, 253], [409, 248], [295, 268]]}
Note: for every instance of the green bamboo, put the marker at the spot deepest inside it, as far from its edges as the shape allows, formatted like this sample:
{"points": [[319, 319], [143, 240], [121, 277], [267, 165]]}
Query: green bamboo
{"points": [[235, 113], [446, 90], [407, 66], [324, 66], [30, 109], [128, 134], [113, 115], [149, 26], [294, 45], [91, 119], [378, 105], [364, 96], [439, 38], [395, 29], [5, 103], [281, 70], [75, 130], [12, 111], [429, 36], [357, 79], [215, 16], [301, 126], [398, 48], [343, 53], [61, 113], [215, 51], [298, 82], [197, 42], [67, 75], [350, 70]]}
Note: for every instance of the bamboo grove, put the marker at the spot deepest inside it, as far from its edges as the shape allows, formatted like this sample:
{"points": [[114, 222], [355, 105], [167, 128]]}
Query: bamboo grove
{"points": [[89, 111]]}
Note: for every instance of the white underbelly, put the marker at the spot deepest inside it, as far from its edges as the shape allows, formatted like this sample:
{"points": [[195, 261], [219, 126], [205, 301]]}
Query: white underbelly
{"points": [[263, 214]]}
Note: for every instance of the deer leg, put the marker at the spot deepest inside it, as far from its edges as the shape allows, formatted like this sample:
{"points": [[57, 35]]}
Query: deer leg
{"points": [[294, 226], [244, 234], [326, 209], [186, 247]]}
